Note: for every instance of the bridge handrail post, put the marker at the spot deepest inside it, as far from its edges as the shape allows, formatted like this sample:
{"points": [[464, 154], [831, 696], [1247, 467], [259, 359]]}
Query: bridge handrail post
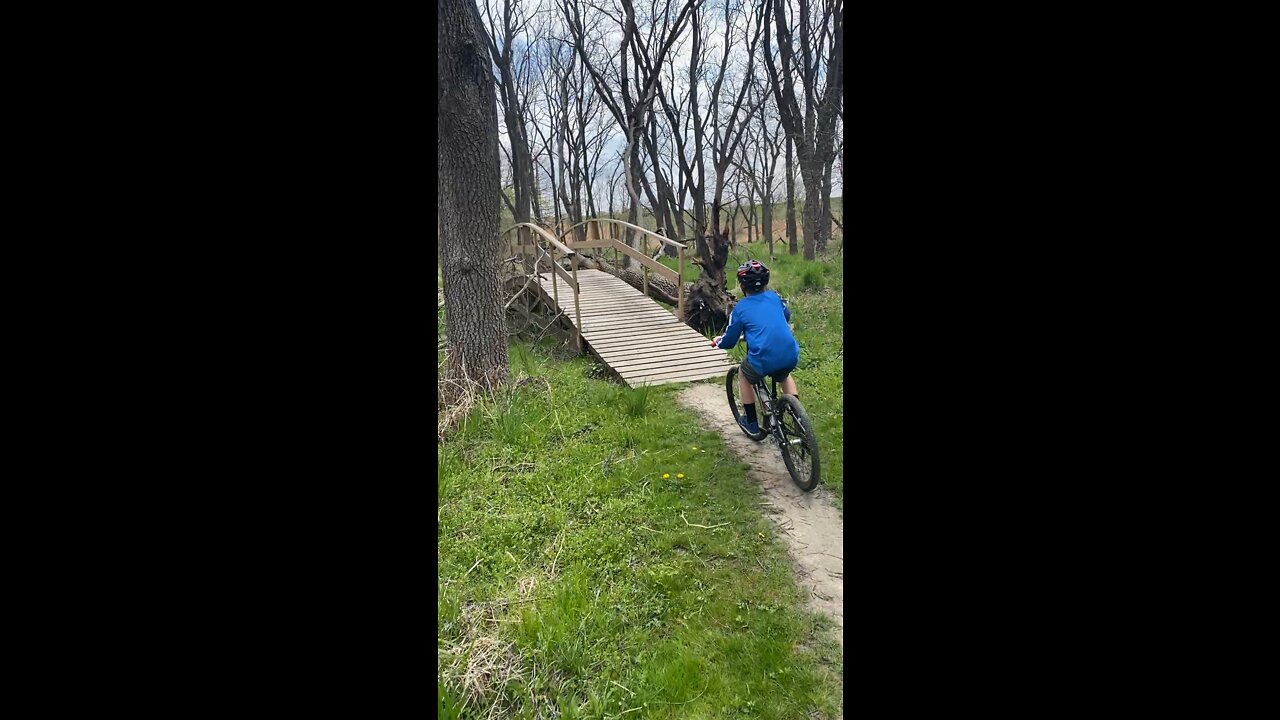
{"points": [[680, 286], [522, 240], [577, 311], [555, 288]]}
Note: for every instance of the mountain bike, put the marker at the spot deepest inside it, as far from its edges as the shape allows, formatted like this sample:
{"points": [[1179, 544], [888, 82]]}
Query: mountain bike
{"points": [[783, 418]]}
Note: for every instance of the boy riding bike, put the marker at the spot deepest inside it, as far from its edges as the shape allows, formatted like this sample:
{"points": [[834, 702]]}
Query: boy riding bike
{"points": [[771, 348]]}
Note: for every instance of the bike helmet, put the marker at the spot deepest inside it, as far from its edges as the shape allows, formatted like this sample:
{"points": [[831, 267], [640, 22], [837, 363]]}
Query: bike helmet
{"points": [[753, 275]]}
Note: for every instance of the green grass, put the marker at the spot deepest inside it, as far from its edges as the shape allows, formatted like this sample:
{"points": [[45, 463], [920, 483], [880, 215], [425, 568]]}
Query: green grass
{"points": [[572, 581]]}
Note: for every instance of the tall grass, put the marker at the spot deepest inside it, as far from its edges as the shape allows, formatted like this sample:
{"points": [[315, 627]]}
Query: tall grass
{"points": [[634, 401]]}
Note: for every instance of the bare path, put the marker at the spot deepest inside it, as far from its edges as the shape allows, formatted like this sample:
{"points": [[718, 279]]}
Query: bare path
{"points": [[809, 522]]}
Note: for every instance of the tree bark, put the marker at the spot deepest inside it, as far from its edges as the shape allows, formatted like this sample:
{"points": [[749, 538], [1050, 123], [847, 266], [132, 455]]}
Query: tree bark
{"points": [[468, 173], [766, 221], [824, 231], [791, 199], [812, 207]]}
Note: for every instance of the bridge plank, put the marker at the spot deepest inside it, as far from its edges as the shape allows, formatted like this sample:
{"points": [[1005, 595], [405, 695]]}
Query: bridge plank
{"points": [[628, 354], [639, 340], [663, 379], [658, 374], [670, 334], [654, 364]]}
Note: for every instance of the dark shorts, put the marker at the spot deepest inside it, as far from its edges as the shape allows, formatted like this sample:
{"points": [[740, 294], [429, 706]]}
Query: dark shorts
{"points": [[753, 377]]}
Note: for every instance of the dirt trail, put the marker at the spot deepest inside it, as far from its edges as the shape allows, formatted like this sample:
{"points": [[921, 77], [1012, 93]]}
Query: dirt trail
{"points": [[809, 522]]}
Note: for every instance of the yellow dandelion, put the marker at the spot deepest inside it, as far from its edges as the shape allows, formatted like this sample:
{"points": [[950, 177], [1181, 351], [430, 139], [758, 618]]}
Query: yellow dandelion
{"points": [[695, 447], [679, 475], [666, 475], [704, 451]]}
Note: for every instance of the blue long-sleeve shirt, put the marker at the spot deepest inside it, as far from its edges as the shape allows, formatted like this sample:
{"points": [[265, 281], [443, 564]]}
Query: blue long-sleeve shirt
{"points": [[763, 318]]}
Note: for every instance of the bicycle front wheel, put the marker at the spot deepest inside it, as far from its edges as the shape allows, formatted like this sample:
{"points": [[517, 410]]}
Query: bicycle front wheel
{"points": [[735, 404], [799, 444]]}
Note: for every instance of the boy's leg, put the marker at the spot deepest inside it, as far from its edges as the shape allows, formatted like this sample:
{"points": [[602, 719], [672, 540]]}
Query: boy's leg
{"points": [[748, 396], [789, 386]]}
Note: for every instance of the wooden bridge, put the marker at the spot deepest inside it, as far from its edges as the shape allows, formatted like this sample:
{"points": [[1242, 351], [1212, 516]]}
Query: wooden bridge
{"points": [[639, 340]]}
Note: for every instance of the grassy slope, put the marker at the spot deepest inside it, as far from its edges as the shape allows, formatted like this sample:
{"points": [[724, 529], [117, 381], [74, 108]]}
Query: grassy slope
{"points": [[592, 595]]}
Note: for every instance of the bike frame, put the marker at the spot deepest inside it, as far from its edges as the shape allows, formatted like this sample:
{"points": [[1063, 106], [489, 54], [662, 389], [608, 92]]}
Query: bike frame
{"points": [[766, 398], [767, 402]]}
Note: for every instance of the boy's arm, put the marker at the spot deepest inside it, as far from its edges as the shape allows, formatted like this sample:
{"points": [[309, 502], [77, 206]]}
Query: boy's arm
{"points": [[732, 334]]}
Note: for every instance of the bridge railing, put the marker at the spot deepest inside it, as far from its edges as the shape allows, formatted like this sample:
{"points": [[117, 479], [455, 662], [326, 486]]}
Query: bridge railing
{"points": [[596, 239], [529, 234]]}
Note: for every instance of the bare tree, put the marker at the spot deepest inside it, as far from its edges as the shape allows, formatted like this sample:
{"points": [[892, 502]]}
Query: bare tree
{"points": [[513, 68], [720, 132], [467, 139], [810, 129], [759, 164], [637, 78], [792, 235]]}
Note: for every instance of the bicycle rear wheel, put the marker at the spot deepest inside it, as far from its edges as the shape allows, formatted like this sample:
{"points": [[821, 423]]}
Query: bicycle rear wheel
{"points": [[735, 403], [799, 444]]}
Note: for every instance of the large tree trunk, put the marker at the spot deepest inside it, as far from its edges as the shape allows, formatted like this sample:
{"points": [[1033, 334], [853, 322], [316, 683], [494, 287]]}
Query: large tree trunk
{"points": [[707, 307], [467, 139], [812, 208], [663, 203], [824, 229], [766, 221], [633, 182], [791, 199], [707, 304], [555, 191], [535, 197], [521, 157]]}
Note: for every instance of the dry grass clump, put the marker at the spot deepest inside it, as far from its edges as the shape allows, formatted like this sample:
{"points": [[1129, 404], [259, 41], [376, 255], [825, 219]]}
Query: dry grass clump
{"points": [[480, 664]]}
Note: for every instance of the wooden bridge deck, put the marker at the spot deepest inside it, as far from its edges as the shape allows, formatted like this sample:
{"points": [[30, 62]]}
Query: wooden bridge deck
{"points": [[634, 336]]}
